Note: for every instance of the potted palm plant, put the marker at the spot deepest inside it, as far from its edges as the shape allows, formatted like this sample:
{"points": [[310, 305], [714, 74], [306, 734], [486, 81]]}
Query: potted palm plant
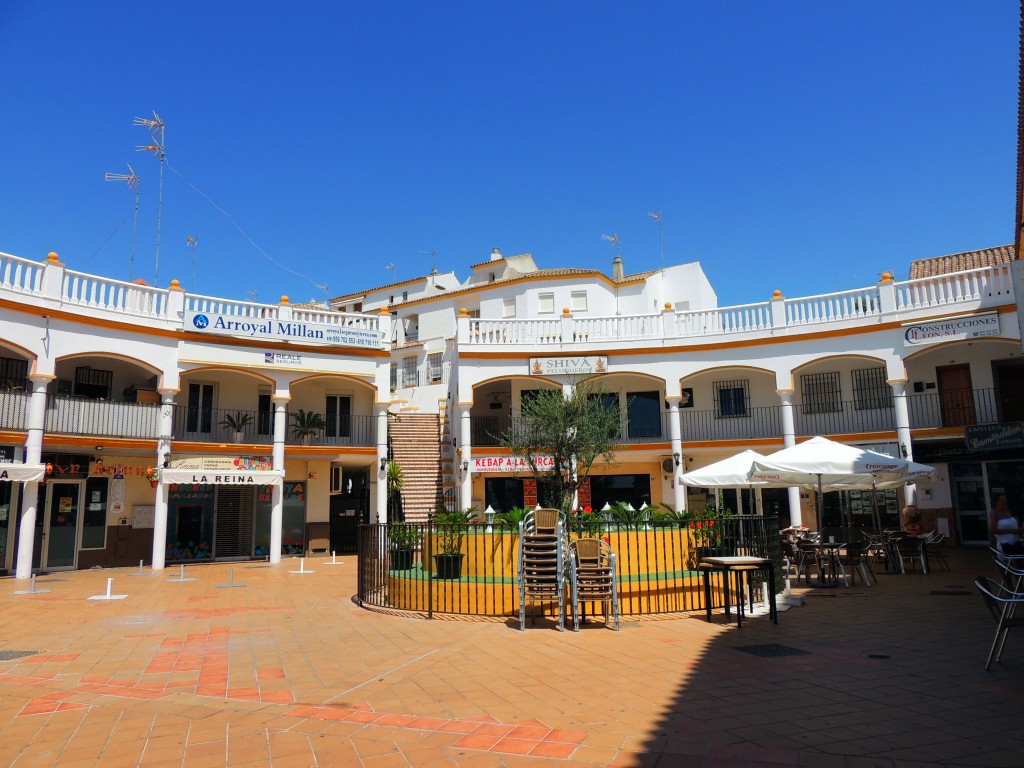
{"points": [[306, 425], [450, 529], [403, 538], [237, 422]]}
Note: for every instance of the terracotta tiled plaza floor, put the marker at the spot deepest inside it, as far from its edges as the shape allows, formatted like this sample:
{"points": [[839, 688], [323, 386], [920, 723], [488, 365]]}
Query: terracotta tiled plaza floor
{"points": [[287, 671]]}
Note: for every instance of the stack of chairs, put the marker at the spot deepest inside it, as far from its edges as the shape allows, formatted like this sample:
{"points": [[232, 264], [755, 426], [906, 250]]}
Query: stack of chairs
{"points": [[543, 556], [593, 578]]}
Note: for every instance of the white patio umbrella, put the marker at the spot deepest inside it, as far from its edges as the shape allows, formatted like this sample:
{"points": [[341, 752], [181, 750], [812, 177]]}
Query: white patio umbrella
{"points": [[731, 472], [820, 462]]}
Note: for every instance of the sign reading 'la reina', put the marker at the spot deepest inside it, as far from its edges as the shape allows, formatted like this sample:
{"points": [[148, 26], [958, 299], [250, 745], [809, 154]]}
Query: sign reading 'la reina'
{"points": [[509, 464], [554, 366]]}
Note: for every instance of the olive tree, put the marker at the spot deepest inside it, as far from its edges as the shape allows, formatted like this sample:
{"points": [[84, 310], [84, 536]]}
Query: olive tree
{"points": [[571, 429]]}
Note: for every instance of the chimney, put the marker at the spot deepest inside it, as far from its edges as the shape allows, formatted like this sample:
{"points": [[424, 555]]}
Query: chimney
{"points": [[496, 255], [617, 271]]}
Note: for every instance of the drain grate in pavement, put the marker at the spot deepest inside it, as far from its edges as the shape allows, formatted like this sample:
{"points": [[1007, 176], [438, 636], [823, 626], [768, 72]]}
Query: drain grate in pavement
{"points": [[952, 592], [9, 655], [771, 650]]}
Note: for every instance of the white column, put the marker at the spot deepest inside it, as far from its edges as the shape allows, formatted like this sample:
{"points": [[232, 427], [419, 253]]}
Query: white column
{"points": [[899, 392], [676, 436], [277, 491], [788, 440], [30, 491], [382, 455], [163, 454], [465, 443]]}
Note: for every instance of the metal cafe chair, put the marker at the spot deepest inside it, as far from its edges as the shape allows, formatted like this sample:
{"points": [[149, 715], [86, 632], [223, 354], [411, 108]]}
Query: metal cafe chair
{"points": [[1002, 603]]}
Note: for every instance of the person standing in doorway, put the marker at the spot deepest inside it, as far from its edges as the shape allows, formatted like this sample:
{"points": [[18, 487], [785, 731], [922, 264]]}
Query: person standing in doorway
{"points": [[1006, 529]]}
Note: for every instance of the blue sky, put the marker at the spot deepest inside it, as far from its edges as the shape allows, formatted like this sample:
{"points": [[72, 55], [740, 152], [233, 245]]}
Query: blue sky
{"points": [[804, 146]]}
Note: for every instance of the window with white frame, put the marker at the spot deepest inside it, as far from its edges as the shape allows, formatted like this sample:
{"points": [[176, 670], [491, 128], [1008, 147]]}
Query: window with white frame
{"points": [[578, 301], [434, 367], [508, 307], [870, 389], [821, 392], [545, 303], [409, 372], [732, 398]]}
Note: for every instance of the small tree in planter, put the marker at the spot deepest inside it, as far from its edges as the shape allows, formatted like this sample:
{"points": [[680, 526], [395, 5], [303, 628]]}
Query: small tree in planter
{"points": [[450, 531], [403, 539], [306, 425], [237, 422]]}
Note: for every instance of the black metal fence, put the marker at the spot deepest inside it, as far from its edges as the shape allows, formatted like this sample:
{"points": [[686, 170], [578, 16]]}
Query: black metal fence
{"points": [[408, 566]]}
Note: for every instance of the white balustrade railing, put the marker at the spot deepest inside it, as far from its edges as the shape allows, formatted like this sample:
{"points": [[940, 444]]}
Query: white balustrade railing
{"points": [[113, 295], [974, 285], [617, 327], [21, 275], [830, 307], [337, 319], [739, 319], [515, 331], [230, 307]]}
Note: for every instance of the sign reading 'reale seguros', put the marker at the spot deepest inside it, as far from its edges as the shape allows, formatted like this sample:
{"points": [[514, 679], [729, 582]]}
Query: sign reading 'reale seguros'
{"points": [[281, 330], [554, 366], [973, 327]]}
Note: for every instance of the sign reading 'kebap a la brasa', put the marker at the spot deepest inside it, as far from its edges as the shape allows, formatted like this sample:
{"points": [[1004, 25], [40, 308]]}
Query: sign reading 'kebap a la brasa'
{"points": [[282, 330], [509, 464], [554, 366], [973, 327]]}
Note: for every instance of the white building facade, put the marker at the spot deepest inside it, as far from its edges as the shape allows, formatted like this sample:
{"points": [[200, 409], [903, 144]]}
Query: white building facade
{"points": [[147, 424]]}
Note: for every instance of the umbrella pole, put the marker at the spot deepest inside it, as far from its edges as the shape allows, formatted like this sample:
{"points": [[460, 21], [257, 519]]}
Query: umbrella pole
{"points": [[821, 506], [874, 511]]}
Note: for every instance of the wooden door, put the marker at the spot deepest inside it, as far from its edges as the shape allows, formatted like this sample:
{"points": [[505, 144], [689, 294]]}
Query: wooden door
{"points": [[956, 397]]}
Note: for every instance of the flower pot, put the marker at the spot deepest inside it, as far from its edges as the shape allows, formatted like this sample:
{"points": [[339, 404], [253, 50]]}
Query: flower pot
{"points": [[153, 483], [448, 566], [401, 559], [239, 436]]}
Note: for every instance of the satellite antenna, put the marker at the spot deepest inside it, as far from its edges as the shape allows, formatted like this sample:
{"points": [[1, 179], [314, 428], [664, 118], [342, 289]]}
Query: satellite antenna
{"points": [[323, 287], [193, 242], [394, 272], [614, 239], [661, 235], [252, 295], [156, 132], [132, 179]]}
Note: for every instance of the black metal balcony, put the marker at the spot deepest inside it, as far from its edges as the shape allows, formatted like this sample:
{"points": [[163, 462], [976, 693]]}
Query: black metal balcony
{"points": [[842, 417], [14, 409], [489, 430], [758, 422], [232, 425], [85, 416], [962, 408]]}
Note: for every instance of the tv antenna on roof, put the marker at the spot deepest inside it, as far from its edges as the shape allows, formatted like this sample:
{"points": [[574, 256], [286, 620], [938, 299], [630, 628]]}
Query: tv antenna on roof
{"points": [[132, 179], [394, 271], [614, 239], [252, 295], [156, 132], [193, 242], [323, 287], [433, 255], [661, 235]]}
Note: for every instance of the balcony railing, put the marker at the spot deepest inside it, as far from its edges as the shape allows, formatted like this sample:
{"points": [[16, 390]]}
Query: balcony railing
{"points": [[487, 431], [954, 408], [84, 416], [757, 422], [14, 409], [845, 417], [217, 425]]}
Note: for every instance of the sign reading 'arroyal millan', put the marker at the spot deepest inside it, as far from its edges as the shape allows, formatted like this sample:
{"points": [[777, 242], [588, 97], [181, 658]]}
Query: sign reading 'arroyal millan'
{"points": [[554, 366], [973, 327], [509, 464], [280, 330]]}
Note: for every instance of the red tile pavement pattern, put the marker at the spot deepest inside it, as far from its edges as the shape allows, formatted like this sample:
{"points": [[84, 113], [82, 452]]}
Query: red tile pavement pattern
{"points": [[289, 672]]}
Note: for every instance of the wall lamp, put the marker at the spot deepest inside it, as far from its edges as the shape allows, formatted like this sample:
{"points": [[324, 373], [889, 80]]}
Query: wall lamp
{"points": [[465, 465], [383, 463], [677, 458]]}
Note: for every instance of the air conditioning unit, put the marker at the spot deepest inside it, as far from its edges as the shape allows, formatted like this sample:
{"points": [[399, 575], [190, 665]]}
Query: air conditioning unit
{"points": [[668, 465]]}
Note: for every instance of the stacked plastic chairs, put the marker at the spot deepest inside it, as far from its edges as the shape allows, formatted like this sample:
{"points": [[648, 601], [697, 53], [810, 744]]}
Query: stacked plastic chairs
{"points": [[592, 578], [543, 562]]}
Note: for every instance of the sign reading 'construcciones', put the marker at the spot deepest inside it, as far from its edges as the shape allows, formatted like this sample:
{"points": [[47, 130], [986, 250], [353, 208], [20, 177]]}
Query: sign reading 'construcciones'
{"points": [[973, 327]]}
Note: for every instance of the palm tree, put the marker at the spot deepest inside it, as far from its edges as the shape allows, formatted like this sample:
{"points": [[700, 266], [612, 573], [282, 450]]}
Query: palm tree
{"points": [[307, 424]]}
